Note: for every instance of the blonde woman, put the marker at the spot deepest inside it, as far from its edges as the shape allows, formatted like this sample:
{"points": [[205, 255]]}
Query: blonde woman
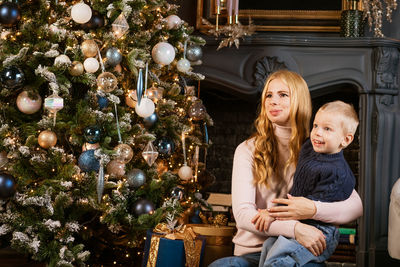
{"points": [[263, 169]]}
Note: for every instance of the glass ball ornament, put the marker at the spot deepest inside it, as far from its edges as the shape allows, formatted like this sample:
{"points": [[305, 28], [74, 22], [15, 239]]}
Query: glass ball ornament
{"points": [[62, 60], [47, 139], [163, 53], [76, 68], [12, 77], [136, 178], [89, 48], [197, 111], [165, 146], [124, 153], [81, 13], [3, 158], [177, 192], [145, 108], [142, 206], [87, 162], [92, 134], [53, 103], [9, 14], [185, 173], [91, 65], [28, 105], [114, 56], [8, 187], [150, 121], [89, 146], [173, 22], [107, 82], [183, 65], [95, 22], [116, 168], [194, 53]]}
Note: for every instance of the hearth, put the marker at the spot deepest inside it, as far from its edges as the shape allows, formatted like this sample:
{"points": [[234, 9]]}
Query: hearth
{"points": [[360, 71]]}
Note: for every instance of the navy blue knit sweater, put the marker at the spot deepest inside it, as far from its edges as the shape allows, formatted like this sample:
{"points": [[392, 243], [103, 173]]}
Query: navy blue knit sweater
{"points": [[323, 177]]}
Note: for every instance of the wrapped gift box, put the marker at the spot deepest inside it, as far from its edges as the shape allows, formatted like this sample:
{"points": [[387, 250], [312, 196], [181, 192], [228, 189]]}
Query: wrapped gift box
{"points": [[218, 241], [168, 252]]}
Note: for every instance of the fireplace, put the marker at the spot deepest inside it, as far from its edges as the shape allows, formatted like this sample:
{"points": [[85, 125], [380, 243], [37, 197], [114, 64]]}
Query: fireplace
{"points": [[363, 72]]}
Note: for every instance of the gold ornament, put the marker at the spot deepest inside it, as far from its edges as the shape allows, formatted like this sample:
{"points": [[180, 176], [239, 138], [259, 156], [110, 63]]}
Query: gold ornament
{"points": [[76, 68], [47, 139], [89, 48], [89, 146], [124, 153]]}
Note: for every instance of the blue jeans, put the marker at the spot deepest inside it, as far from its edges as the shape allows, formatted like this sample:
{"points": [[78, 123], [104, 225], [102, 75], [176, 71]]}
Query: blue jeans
{"points": [[248, 260], [286, 252]]}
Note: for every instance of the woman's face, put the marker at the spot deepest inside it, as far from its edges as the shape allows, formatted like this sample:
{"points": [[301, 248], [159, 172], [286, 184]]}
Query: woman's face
{"points": [[277, 102]]}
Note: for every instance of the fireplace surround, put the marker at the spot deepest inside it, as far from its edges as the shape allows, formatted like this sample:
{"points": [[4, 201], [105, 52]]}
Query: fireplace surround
{"points": [[362, 71]]}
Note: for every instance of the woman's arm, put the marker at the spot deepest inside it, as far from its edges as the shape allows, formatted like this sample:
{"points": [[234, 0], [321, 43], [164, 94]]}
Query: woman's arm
{"points": [[244, 196], [300, 208], [339, 212]]}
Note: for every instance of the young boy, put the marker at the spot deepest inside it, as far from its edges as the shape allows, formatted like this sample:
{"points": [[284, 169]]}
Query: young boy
{"points": [[321, 174]]}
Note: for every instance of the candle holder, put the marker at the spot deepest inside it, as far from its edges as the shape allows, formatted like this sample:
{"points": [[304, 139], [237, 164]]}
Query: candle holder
{"points": [[352, 21]]}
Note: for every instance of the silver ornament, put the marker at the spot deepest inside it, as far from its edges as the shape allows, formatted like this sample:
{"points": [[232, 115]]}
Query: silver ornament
{"points": [[194, 53], [136, 178], [114, 56]]}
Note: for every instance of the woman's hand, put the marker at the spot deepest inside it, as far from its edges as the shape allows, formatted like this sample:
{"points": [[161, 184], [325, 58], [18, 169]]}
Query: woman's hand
{"points": [[310, 237], [295, 208], [262, 220]]}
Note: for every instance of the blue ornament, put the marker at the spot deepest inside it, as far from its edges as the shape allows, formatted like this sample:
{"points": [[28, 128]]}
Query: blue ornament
{"points": [[102, 101], [12, 77], [7, 186], [92, 134], [177, 192], [88, 162], [150, 121], [9, 14], [142, 206], [165, 146]]}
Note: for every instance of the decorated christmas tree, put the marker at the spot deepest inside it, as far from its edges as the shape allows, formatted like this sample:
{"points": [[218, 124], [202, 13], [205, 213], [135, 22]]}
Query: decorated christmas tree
{"points": [[99, 131]]}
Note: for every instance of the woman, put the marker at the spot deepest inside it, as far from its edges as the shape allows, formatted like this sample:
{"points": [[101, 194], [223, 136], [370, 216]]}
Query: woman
{"points": [[263, 169]]}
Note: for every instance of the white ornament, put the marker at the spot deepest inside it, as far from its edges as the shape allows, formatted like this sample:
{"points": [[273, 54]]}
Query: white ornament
{"points": [[91, 65], [146, 107], [173, 22], [163, 53], [62, 60], [120, 26], [28, 105], [183, 65], [185, 173], [81, 13]]}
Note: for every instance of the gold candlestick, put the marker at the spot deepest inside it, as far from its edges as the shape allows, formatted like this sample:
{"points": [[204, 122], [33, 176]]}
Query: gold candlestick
{"points": [[217, 18]]}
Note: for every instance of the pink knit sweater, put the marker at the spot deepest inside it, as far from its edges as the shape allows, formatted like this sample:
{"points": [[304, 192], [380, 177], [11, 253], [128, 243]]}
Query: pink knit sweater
{"points": [[247, 197]]}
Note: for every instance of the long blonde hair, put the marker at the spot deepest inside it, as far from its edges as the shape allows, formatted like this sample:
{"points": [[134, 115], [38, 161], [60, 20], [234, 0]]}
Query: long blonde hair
{"points": [[266, 156]]}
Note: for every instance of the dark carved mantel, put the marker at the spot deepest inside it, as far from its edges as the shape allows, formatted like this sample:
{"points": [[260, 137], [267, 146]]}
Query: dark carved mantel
{"points": [[368, 64]]}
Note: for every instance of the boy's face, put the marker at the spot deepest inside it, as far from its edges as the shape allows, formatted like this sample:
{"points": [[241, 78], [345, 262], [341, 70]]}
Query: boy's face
{"points": [[327, 135]]}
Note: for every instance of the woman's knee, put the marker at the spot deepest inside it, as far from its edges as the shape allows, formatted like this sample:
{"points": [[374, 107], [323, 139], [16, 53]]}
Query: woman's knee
{"points": [[230, 262]]}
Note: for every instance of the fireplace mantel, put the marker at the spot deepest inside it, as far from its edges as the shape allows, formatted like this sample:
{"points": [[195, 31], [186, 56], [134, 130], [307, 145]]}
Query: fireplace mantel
{"points": [[368, 64]]}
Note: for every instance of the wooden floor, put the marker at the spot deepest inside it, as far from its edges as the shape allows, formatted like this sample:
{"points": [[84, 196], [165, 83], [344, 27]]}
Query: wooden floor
{"points": [[11, 258]]}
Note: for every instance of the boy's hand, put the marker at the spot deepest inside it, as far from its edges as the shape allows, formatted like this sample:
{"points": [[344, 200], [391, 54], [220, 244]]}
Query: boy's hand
{"points": [[262, 220]]}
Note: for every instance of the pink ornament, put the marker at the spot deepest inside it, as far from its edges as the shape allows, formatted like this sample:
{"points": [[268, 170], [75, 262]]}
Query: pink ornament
{"points": [[28, 105], [116, 168]]}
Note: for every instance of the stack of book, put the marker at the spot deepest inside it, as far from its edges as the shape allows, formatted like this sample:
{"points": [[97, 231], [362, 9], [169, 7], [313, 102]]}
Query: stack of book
{"points": [[346, 250]]}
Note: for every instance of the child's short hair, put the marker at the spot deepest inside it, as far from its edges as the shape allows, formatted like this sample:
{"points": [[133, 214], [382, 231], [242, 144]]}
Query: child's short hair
{"points": [[349, 115]]}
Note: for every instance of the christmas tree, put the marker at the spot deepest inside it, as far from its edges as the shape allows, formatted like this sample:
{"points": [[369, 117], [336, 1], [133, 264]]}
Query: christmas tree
{"points": [[98, 128]]}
